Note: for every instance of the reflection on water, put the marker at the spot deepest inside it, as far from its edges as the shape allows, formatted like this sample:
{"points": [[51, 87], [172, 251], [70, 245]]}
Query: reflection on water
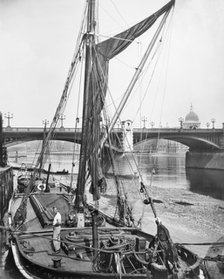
{"points": [[169, 170], [206, 182]]}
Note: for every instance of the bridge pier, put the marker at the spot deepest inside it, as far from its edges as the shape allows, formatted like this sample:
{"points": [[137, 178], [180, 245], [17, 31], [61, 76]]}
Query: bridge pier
{"points": [[205, 160]]}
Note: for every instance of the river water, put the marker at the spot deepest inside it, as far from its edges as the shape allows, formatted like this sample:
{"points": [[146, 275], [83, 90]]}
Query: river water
{"points": [[189, 202]]}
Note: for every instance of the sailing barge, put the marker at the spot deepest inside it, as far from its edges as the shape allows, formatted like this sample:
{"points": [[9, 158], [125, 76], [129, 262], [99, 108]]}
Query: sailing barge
{"points": [[122, 250], [92, 243]]}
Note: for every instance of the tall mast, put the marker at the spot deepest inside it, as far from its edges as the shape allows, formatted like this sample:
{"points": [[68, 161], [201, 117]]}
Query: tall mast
{"points": [[89, 42], [88, 123]]}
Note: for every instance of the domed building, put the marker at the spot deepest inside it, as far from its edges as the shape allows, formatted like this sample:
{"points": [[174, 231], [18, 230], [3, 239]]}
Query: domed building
{"points": [[191, 120]]}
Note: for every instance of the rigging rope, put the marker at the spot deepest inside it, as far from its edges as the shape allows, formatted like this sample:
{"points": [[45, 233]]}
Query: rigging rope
{"points": [[108, 138], [116, 113], [159, 51], [20, 214], [77, 118], [118, 12], [66, 90], [201, 243], [167, 39], [125, 98]]}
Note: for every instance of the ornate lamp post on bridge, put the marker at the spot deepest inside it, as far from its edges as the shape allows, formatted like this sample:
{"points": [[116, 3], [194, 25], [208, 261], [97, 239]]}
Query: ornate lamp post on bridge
{"points": [[45, 122], [77, 120], [181, 120], [152, 124], [207, 125], [76, 123], [62, 118], [213, 123], [118, 124], [8, 116], [144, 120]]}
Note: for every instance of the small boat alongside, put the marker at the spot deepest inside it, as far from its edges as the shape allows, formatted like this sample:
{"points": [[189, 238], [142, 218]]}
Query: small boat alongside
{"points": [[23, 178]]}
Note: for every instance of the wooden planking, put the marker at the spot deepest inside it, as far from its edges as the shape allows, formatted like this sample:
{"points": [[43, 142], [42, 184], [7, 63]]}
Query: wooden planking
{"points": [[54, 199], [44, 255]]}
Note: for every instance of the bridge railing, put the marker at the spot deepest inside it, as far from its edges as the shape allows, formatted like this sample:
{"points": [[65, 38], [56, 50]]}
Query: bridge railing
{"points": [[63, 129], [38, 129]]}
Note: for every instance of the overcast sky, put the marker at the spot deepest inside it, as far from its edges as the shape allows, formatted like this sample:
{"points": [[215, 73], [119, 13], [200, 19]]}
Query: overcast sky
{"points": [[37, 42]]}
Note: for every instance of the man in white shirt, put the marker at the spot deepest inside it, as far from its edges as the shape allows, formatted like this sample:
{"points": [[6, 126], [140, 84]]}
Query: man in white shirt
{"points": [[56, 230]]}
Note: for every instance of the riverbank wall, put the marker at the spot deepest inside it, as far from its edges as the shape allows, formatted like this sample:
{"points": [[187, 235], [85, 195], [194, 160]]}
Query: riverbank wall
{"points": [[6, 189], [205, 160]]}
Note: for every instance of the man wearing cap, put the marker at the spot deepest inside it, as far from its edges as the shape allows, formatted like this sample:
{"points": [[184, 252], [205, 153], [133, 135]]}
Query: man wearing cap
{"points": [[56, 230]]}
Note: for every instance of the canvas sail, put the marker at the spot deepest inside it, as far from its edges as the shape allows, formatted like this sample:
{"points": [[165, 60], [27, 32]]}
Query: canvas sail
{"points": [[96, 80]]}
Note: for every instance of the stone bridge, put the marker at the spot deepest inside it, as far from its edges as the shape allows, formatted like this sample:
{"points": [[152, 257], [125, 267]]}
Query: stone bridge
{"points": [[197, 140], [17, 135]]}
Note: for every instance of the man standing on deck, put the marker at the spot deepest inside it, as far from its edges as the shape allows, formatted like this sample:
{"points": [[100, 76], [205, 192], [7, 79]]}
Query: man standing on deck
{"points": [[56, 230]]}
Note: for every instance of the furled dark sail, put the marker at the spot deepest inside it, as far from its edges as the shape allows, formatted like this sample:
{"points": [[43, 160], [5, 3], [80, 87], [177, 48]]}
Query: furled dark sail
{"points": [[108, 49], [96, 79]]}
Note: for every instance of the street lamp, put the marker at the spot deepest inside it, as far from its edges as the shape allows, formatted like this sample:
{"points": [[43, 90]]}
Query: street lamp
{"points": [[8, 116], [118, 123], [152, 124], [213, 123], [45, 122], [77, 120], [144, 120], [181, 120], [62, 118], [207, 125]]}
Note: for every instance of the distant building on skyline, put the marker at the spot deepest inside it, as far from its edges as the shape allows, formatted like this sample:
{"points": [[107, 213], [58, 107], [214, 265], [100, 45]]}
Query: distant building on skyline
{"points": [[191, 120]]}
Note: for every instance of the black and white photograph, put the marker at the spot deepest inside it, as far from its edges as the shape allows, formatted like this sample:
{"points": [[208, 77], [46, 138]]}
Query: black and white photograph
{"points": [[111, 139]]}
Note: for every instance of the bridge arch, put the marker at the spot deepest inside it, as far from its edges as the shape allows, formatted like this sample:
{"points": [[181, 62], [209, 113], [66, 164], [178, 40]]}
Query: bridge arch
{"points": [[197, 140], [17, 142], [194, 143]]}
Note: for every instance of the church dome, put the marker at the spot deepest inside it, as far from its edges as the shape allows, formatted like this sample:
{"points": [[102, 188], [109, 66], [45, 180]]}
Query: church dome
{"points": [[191, 120], [191, 116]]}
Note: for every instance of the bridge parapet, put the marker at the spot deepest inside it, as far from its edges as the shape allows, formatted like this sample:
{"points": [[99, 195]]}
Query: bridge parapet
{"points": [[39, 129], [199, 139], [195, 139]]}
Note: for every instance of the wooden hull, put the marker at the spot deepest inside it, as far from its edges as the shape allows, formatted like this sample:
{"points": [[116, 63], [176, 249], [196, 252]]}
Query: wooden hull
{"points": [[35, 258], [36, 271], [32, 269]]}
